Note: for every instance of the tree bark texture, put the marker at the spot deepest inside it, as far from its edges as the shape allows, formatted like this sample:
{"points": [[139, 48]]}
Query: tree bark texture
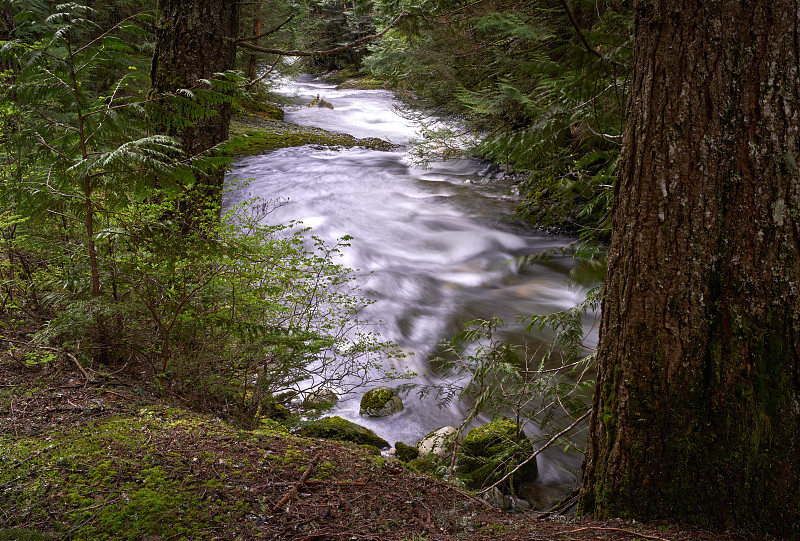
{"points": [[696, 413], [194, 40]]}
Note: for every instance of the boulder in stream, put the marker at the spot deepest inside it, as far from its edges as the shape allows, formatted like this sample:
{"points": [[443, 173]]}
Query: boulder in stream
{"points": [[320, 102], [380, 402]]}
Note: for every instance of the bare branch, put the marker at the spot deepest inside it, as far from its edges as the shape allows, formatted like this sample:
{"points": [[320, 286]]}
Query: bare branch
{"points": [[260, 77], [267, 33]]}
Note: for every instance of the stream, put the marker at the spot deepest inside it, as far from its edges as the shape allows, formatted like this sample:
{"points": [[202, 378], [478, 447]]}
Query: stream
{"points": [[437, 242]]}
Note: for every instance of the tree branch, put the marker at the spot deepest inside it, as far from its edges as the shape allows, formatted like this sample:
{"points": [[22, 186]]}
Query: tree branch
{"points": [[585, 41], [267, 33], [321, 53]]}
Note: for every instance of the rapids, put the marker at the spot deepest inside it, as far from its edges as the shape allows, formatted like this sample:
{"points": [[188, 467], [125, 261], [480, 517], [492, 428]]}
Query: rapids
{"points": [[437, 243]]}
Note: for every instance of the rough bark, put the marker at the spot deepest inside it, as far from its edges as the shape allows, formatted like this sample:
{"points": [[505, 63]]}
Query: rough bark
{"points": [[194, 40], [697, 407]]}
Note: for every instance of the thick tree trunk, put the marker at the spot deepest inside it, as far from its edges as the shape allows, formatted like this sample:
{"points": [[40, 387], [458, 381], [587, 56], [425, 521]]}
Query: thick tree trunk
{"points": [[697, 407], [194, 40]]}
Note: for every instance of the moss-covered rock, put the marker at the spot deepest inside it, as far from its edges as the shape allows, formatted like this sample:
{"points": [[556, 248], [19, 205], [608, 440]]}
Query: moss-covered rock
{"points": [[491, 451], [406, 453], [320, 399], [380, 402], [336, 428], [363, 83], [253, 134], [439, 443]]}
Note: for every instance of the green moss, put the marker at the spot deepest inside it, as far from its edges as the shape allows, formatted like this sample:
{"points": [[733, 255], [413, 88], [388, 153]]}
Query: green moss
{"points": [[251, 135], [380, 402], [336, 428], [20, 534], [405, 452], [422, 465], [363, 83], [371, 449], [490, 451]]}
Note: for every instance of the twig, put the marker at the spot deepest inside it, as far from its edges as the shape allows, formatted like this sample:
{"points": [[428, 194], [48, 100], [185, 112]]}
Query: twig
{"points": [[116, 394], [75, 360], [637, 534], [260, 77], [320, 482], [289, 496]]}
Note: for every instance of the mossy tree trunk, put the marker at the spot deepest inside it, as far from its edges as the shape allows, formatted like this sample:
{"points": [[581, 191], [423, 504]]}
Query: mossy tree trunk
{"points": [[195, 39], [697, 408]]}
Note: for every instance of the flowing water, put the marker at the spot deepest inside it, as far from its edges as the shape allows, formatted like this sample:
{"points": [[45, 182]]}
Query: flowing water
{"points": [[436, 241]]}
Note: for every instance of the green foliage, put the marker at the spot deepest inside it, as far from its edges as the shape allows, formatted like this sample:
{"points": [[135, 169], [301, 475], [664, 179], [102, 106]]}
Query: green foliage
{"points": [[496, 378], [520, 75], [331, 23], [112, 261]]}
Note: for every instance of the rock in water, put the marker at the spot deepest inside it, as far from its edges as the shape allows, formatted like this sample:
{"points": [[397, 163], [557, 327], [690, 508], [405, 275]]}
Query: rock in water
{"points": [[490, 171], [439, 443], [380, 402], [320, 102], [320, 399]]}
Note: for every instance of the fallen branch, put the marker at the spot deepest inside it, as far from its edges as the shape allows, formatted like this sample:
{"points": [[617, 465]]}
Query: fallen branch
{"points": [[292, 494], [55, 350], [75, 360], [636, 534]]}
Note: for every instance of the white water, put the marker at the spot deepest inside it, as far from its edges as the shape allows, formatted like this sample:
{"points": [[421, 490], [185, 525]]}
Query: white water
{"points": [[438, 248]]}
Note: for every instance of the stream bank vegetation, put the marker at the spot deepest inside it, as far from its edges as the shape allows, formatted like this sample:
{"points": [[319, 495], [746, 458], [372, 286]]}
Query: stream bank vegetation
{"points": [[106, 263], [119, 303]]}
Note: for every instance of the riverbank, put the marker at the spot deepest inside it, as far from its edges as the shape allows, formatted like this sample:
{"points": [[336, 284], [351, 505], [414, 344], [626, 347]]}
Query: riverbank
{"points": [[261, 130], [99, 455]]}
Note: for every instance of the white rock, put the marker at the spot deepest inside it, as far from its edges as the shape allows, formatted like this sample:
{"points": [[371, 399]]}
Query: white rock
{"points": [[438, 443]]}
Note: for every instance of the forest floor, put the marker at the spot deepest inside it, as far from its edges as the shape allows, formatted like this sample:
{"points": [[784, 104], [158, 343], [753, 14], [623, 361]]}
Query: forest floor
{"points": [[95, 455]]}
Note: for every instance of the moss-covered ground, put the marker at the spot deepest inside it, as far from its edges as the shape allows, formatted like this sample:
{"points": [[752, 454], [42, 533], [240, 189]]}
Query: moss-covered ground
{"points": [[256, 133], [109, 459]]}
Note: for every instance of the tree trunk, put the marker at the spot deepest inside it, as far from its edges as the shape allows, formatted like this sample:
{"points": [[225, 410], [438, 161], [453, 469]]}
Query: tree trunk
{"points": [[697, 407], [194, 40]]}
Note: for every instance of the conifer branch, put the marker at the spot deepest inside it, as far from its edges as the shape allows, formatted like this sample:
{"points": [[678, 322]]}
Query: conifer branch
{"points": [[355, 43], [267, 33], [583, 39]]}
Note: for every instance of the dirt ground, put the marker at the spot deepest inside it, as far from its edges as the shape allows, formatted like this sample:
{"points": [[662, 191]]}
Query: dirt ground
{"points": [[107, 459]]}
